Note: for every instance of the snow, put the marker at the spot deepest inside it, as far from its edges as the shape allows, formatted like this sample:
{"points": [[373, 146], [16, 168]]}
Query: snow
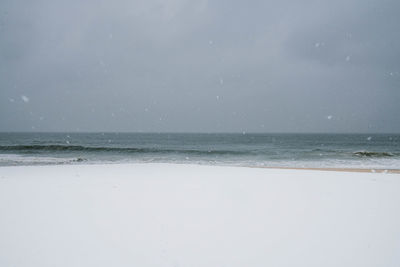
{"points": [[25, 98], [190, 215], [318, 45]]}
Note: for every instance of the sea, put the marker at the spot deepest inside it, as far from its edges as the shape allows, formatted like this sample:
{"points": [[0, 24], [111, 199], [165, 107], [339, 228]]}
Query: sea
{"points": [[380, 151]]}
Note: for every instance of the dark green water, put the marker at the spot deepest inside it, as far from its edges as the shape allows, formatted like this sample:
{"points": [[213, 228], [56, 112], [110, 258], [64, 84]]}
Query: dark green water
{"points": [[292, 150]]}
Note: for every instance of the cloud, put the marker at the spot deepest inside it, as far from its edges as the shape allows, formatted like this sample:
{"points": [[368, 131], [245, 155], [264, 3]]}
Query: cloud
{"points": [[101, 65]]}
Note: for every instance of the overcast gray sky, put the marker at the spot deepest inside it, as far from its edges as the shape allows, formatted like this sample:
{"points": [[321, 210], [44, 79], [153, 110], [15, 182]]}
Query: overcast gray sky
{"points": [[200, 66]]}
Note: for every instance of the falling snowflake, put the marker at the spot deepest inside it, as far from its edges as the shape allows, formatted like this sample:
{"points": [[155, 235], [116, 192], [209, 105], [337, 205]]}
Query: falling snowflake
{"points": [[319, 45], [25, 98], [329, 117]]}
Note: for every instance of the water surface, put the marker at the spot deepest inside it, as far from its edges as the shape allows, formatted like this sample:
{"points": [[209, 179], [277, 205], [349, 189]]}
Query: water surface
{"points": [[274, 150]]}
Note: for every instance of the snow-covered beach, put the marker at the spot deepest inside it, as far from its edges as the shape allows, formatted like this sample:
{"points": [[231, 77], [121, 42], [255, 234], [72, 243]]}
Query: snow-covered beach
{"points": [[191, 215]]}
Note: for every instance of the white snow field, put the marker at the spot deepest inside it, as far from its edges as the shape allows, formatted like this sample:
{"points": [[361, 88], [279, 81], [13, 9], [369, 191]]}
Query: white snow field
{"points": [[191, 215]]}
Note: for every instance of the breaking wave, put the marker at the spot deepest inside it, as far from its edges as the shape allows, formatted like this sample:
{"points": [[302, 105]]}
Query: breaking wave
{"points": [[373, 154], [11, 159], [130, 150]]}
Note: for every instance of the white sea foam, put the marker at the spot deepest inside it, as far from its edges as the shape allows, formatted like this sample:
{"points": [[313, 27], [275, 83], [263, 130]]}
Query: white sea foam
{"points": [[14, 159]]}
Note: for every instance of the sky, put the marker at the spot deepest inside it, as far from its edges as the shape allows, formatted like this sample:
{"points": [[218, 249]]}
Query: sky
{"points": [[200, 66]]}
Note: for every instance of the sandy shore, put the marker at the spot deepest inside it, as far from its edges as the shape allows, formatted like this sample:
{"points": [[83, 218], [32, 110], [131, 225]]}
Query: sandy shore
{"points": [[397, 171], [189, 215]]}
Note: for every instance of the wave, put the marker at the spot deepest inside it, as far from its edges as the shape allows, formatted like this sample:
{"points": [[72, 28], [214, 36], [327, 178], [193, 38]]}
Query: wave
{"points": [[12, 159], [267, 154], [362, 153], [373, 154], [130, 150]]}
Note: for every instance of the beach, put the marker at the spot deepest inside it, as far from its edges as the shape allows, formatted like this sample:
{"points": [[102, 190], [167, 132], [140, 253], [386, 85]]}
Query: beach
{"points": [[192, 215]]}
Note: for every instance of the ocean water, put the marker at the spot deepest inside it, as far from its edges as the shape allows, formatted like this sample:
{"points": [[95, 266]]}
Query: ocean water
{"points": [[273, 150]]}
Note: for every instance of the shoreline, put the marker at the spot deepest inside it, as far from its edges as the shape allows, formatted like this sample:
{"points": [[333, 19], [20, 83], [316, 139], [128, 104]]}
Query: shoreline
{"points": [[328, 169], [360, 170]]}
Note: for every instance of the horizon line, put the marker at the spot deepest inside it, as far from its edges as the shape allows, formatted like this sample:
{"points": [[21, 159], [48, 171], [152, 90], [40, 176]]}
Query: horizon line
{"points": [[188, 132]]}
